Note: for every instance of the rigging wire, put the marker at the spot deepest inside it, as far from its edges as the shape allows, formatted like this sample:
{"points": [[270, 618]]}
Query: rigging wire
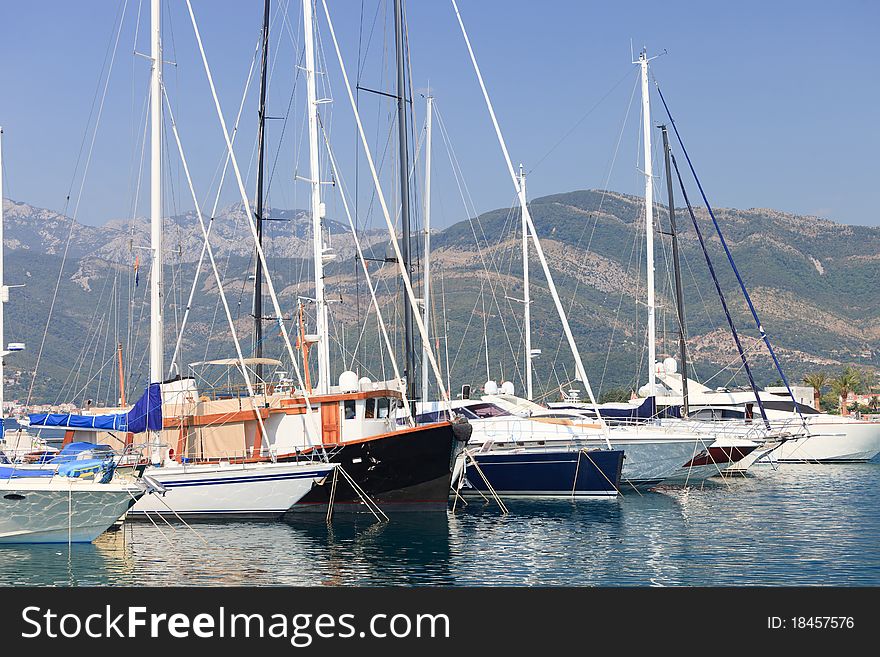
{"points": [[79, 196]]}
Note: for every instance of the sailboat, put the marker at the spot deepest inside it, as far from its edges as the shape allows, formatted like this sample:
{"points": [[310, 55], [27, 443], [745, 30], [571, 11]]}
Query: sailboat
{"points": [[351, 428], [723, 449], [830, 438], [67, 500], [789, 429], [190, 488], [503, 420]]}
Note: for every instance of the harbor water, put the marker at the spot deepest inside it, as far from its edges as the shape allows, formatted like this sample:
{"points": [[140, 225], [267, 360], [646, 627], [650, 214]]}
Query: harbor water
{"points": [[797, 525]]}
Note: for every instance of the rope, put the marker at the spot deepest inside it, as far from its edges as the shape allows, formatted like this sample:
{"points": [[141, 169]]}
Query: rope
{"points": [[733, 266], [177, 516], [730, 322], [210, 224], [479, 470], [332, 496], [312, 425], [76, 206], [69, 514], [366, 499], [473, 217], [587, 454], [147, 516]]}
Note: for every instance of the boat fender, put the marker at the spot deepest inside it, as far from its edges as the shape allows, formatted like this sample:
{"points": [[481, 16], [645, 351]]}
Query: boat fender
{"points": [[462, 430]]}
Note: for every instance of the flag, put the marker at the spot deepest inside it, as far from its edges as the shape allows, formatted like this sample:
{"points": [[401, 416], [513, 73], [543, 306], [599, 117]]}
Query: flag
{"points": [[137, 264]]}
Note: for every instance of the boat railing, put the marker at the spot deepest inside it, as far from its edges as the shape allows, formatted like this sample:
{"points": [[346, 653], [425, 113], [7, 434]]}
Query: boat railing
{"points": [[560, 429], [241, 391]]}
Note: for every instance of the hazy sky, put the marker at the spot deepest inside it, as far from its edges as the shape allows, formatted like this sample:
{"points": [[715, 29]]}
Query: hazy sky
{"points": [[777, 101]]}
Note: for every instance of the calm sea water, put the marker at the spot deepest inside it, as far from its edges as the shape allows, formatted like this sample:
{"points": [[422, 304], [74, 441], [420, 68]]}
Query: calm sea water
{"points": [[799, 525]]}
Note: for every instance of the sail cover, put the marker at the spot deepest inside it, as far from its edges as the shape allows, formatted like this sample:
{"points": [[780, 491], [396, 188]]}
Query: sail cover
{"points": [[622, 412], [145, 415]]}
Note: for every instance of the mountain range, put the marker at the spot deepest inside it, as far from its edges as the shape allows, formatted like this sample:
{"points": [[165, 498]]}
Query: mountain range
{"points": [[811, 280]]}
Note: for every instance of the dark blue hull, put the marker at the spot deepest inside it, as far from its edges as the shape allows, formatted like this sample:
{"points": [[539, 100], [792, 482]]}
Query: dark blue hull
{"points": [[583, 473]]}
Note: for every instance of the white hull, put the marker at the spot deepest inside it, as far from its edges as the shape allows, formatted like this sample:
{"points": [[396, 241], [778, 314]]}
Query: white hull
{"points": [[229, 490], [695, 474], [653, 454], [724, 452], [650, 462], [61, 509], [744, 464], [832, 439]]}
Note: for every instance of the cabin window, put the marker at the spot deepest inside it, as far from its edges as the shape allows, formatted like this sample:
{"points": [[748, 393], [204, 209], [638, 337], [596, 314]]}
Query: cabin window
{"points": [[349, 409], [484, 410], [370, 408], [383, 407]]}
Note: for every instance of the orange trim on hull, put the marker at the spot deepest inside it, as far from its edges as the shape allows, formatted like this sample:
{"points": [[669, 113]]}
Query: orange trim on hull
{"points": [[308, 450], [214, 418]]}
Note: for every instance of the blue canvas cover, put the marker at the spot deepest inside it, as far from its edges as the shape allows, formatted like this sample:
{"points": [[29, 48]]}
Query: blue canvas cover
{"points": [[99, 469], [86, 469], [145, 415], [79, 450], [10, 472], [643, 412]]}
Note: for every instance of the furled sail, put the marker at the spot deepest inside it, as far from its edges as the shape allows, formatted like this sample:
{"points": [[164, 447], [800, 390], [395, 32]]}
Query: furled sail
{"points": [[145, 415]]}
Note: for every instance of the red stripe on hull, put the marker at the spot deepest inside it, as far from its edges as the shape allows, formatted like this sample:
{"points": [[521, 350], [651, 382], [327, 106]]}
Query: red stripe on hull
{"points": [[720, 456]]}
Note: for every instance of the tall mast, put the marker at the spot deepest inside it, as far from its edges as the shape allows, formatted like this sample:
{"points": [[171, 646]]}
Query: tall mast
{"points": [[527, 312], [539, 251], [317, 206], [679, 295], [426, 367], [649, 223], [258, 215], [4, 291], [121, 375], [156, 274], [403, 165]]}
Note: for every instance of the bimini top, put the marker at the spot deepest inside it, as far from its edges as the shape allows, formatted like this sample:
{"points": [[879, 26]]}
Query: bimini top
{"points": [[145, 415]]}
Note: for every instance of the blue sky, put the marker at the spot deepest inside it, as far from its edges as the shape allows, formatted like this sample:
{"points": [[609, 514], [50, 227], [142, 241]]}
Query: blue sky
{"points": [[776, 100]]}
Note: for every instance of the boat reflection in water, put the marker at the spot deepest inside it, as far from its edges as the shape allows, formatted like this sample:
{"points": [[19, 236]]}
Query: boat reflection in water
{"points": [[795, 526]]}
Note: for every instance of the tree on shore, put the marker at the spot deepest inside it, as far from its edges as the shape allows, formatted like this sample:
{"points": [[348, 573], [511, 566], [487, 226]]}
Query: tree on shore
{"points": [[817, 381], [845, 384]]}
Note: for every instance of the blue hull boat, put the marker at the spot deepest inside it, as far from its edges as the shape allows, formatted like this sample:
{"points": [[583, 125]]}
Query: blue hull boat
{"points": [[545, 473]]}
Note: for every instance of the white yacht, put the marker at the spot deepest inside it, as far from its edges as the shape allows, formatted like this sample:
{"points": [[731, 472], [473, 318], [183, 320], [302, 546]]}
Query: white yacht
{"points": [[228, 486], [61, 508], [815, 436], [653, 454]]}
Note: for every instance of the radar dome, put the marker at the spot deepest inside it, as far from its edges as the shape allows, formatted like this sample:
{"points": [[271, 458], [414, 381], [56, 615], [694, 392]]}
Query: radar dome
{"points": [[490, 388], [348, 381], [670, 365], [507, 388]]}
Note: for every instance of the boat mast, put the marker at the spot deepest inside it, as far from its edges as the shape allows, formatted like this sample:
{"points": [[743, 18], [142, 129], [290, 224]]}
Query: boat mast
{"points": [[403, 166], [4, 291], [426, 313], [527, 313], [676, 263], [649, 223], [121, 375], [156, 274], [258, 215], [317, 206], [539, 251], [157, 352]]}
